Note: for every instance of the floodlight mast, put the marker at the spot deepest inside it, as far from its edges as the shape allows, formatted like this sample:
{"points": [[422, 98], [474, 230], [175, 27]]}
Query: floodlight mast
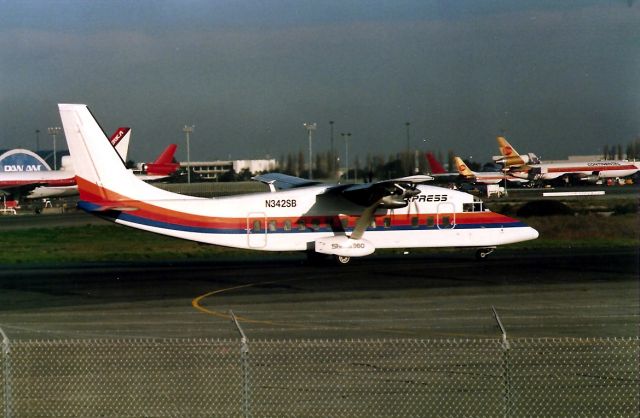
{"points": [[346, 136], [310, 127], [188, 129], [54, 131]]}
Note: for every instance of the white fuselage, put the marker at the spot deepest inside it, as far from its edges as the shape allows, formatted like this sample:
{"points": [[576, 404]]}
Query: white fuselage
{"points": [[599, 169], [293, 220]]}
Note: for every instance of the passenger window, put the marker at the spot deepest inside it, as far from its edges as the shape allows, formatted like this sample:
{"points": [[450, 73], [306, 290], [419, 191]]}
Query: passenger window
{"points": [[287, 225], [430, 221], [345, 223], [414, 222], [387, 222], [301, 225], [257, 226], [315, 224], [446, 221], [272, 226]]}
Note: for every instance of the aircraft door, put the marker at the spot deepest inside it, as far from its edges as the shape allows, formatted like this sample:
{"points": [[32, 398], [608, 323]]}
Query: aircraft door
{"points": [[256, 230], [446, 216]]}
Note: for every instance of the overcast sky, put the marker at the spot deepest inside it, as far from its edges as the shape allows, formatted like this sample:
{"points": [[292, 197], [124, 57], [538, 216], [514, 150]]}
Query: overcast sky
{"points": [[560, 77]]}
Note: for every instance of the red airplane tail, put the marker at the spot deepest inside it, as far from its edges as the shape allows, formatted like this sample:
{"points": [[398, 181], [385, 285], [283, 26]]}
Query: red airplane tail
{"points": [[164, 165], [436, 167]]}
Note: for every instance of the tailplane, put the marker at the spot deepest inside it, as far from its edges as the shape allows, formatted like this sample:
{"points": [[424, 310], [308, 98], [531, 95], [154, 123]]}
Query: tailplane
{"points": [[165, 164], [102, 178], [510, 157], [462, 168], [120, 141], [436, 167]]}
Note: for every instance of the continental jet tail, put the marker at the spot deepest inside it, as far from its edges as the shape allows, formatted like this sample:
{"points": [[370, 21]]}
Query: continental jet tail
{"points": [[341, 220], [510, 157]]}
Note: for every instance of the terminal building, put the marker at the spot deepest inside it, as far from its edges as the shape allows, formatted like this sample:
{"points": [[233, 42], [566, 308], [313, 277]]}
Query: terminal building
{"points": [[212, 170]]}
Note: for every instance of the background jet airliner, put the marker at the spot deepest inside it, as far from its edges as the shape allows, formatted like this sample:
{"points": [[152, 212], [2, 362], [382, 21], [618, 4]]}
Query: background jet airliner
{"points": [[529, 167], [55, 183], [483, 177], [62, 183], [466, 175], [341, 220]]}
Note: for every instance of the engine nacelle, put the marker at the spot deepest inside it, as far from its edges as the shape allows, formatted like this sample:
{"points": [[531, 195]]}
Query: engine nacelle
{"points": [[511, 161], [516, 160], [593, 178], [344, 246]]}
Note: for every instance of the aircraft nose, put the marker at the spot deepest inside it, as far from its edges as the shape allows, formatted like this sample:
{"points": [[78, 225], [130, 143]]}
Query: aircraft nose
{"points": [[532, 233]]}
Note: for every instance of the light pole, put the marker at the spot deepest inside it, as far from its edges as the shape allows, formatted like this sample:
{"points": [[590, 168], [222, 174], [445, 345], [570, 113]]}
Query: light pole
{"points": [[53, 131], [408, 159], [188, 130], [332, 156], [346, 137], [310, 127]]}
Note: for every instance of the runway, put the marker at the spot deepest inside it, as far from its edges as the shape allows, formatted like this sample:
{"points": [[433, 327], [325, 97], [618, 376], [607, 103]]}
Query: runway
{"points": [[542, 293]]}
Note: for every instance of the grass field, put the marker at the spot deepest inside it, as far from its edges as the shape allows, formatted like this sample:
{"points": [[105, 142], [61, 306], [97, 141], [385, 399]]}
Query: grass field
{"points": [[95, 243]]}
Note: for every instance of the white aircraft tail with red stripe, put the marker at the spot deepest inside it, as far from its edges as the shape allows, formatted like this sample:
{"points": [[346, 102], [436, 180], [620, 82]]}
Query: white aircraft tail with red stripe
{"points": [[94, 157]]}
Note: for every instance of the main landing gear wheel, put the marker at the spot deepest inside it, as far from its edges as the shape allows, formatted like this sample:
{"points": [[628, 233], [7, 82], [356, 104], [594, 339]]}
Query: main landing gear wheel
{"points": [[342, 259], [483, 253]]}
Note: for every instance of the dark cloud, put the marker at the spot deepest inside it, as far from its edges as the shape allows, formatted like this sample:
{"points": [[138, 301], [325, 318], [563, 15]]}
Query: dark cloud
{"points": [[561, 79]]}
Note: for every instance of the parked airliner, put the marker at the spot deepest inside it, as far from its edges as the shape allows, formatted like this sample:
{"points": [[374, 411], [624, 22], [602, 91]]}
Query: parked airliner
{"points": [[347, 220], [55, 183], [62, 183], [529, 167], [483, 177]]}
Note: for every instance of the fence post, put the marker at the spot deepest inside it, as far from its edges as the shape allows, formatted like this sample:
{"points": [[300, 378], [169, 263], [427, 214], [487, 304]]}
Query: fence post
{"points": [[244, 358], [505, 364], [6, 374]]}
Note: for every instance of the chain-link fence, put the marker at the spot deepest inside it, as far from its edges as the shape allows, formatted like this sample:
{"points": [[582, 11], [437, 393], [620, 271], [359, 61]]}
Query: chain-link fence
{"points": [[317, 378]]}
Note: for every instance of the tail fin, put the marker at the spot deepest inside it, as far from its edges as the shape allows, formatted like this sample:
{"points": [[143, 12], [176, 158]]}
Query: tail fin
{"points": [[120, 141], [436, 167], [509, 156], [462, 168], [506, 150], [164, 165], [101, 175]]}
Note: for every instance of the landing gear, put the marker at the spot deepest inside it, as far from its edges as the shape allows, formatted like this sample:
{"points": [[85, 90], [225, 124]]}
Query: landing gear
{"points": [[342, 259], [483, 253]]}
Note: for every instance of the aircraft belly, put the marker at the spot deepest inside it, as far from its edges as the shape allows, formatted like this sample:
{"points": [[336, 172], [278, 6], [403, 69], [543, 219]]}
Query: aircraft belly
{"points": [[479, 237]]}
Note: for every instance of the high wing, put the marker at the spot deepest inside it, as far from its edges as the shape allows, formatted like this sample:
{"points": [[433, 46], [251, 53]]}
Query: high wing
{"points": [[387, 194], [279, 181]]}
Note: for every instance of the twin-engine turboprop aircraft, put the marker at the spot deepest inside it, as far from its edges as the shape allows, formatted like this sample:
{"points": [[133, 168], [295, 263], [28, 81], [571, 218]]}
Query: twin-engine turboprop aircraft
{"points": [[298, 215]]}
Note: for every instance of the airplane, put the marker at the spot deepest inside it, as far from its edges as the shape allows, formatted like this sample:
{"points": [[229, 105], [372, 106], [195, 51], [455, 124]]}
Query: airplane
{"points": [[483, 177], [465, 174], [530, 167], [343, 221], [58, 183], [162, 167], [509, 157], [62, 183]]}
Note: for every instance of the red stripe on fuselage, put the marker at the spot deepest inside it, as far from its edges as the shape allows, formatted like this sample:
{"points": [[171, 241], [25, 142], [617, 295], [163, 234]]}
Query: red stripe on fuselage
{"points": [[92, 193], [592, 168]]}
